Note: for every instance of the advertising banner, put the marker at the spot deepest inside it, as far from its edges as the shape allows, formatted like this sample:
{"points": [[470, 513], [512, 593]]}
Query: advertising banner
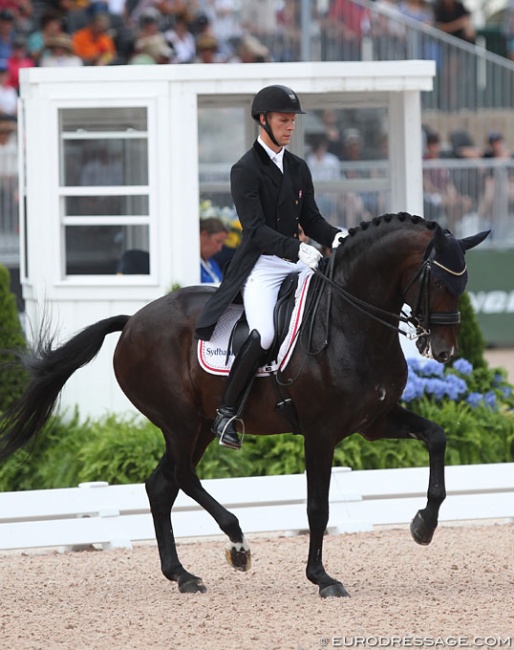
{"points": [[491, 290]]}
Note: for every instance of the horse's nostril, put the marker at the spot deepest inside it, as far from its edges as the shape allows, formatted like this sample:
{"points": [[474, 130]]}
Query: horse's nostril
{"points": [[444, 357]]}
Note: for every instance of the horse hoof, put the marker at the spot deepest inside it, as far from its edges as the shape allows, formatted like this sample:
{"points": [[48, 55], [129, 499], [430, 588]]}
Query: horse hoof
{"points": [[192, 586], [238, 555], [334, 591], [421, 532]]}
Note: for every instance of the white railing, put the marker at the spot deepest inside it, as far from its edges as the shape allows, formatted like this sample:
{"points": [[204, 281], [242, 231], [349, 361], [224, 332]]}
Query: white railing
{"points": [[119, 515]]}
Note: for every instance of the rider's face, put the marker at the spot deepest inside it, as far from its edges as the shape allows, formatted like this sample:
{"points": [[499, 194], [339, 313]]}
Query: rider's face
{"points": [[282, 126]]}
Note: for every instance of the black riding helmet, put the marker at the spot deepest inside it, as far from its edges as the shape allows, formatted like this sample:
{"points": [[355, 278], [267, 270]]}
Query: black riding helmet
{"points": [[274, 99]]}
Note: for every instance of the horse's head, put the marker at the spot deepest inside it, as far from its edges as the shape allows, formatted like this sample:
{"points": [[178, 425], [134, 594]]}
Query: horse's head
{"points": [[434, 291]]}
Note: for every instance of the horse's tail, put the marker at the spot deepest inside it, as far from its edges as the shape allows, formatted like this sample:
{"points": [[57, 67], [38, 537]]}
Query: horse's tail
{"points": [[49, 369]]}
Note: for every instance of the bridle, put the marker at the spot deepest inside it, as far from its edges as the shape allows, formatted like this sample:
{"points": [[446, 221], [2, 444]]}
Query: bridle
{"points": [[421, 318]]}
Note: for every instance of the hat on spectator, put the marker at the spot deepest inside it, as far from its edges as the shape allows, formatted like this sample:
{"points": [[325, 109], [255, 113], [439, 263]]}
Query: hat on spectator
{"points": [[97, 9], [154, 45], [352, 135], [494, 136], [6, 15], [206, 42], [149, 15], [60, 40]]}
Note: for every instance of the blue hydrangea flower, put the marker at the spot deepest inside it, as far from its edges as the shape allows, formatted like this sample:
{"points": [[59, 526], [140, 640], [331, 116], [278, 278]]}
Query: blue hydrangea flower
{"points": [[506, 390], [490, 399], [463, 366], [436, 387], [474, 399], [456, 387], [432, 368]]}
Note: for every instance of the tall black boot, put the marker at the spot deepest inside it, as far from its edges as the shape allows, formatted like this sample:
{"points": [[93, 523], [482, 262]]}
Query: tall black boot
{"points": [[241, 375]]}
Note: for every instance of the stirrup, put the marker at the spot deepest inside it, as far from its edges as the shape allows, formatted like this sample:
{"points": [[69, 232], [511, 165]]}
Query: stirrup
{"points": [[227, 442]]}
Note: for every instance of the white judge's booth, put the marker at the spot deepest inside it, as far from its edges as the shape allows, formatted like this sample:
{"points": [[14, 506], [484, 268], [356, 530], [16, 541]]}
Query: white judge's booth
{"points": [[116, 162]]}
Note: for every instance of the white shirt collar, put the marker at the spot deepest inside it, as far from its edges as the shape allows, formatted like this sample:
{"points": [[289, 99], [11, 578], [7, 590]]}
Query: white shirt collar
{"points": [[277, 158]]}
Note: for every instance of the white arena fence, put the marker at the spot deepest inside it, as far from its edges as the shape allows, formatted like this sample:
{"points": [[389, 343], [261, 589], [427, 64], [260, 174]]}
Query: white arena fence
{"points": [[118, 515]]}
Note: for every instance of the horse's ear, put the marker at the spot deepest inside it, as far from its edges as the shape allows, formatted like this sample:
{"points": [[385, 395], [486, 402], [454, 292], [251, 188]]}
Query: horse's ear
{"points": [[474, 240], [440, 240]]}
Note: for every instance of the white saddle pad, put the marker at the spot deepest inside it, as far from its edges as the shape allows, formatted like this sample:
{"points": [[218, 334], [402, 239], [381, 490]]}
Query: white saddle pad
{"points": [[212, 355]]}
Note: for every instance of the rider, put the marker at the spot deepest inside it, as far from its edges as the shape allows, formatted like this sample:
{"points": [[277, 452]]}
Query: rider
{"points": [[273, 195]]}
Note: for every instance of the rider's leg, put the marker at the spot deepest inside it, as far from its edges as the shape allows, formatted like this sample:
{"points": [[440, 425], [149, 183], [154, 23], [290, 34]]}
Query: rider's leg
{"points": [[259, 296]]}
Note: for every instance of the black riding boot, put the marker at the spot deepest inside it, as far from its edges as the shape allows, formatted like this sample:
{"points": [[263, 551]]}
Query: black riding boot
{"points": [[241, 375]]}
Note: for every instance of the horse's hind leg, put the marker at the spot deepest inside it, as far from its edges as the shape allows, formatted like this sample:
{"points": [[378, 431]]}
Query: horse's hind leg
{"points": [[162, 491], [405, 424]]}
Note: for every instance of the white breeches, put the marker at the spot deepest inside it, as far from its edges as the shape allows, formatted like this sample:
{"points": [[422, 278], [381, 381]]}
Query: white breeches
{"points": [[260, 293]]}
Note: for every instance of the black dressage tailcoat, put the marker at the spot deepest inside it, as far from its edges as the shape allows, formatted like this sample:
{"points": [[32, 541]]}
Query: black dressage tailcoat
{"points": [[270, 206]]}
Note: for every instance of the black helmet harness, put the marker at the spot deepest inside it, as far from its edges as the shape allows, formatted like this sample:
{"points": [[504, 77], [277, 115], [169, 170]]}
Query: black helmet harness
{"points": [[274, 99]]}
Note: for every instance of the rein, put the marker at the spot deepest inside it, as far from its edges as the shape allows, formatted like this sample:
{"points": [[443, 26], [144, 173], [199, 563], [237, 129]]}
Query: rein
{"points": [[421, 318]]}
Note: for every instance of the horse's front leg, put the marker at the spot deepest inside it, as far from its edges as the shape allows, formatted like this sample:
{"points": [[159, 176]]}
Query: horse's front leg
{"points": [[318, 462], [405, 424]]}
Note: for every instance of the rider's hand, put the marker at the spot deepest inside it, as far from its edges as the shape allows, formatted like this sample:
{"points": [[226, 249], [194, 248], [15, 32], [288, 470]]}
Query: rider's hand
{"points": [[309, 255], [339, 237]]}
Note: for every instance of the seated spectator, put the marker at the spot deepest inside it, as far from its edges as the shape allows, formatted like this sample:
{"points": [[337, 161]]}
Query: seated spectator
{"points": [[149, 22], [6, 34], [181, 39], [497, 147], [8, 96], [251, 50], [93, 43], [59, 53], [463, 145], [51, 25], [18, 59], [154, 46], [213, 234], [441, 200], [206, 49]]}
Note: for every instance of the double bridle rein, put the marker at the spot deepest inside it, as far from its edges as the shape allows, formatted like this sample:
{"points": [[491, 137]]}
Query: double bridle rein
{"points": [[421, 318]]}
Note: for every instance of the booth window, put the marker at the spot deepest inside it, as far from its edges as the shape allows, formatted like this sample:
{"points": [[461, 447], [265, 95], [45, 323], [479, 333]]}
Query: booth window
{"points": [[104, 190]]}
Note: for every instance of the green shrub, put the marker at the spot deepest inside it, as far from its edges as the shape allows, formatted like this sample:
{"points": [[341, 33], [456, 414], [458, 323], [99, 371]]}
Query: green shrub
{"points": [[471, 340], [13, 377]]}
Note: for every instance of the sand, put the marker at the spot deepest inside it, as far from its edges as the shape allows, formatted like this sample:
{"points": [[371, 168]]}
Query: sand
{"points": [[403, 595]]}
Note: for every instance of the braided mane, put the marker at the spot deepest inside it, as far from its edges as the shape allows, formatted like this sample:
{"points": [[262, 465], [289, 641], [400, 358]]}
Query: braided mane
{"points": [[394, 218]]}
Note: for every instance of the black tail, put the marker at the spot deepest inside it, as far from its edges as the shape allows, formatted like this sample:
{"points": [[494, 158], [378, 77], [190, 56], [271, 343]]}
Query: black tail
{"points": [[49, 370]]}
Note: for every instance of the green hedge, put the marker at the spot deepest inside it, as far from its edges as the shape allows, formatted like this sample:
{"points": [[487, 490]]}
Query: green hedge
{"points": [[121, 450]]}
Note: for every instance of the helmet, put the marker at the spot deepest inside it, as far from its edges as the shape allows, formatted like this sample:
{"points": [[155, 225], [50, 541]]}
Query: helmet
{"points": [[275, 99]]}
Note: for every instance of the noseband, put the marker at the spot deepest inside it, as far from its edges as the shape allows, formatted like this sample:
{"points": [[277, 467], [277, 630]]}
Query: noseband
{"points": [[421, 317]]}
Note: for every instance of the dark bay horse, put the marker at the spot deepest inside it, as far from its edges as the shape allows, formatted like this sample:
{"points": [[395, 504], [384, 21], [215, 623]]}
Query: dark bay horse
{"points": [[348, 378]]}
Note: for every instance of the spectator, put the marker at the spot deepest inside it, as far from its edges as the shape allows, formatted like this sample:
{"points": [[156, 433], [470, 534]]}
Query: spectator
{"points": [[6, 34], [442, 201], [51, 25], [251, 50], [416, 10], [223, 24], [181, 39], [324, 166], [92, 43], [206, 49], [452, 17], [18, 59], [213, 234], [333, 132], [149, 22], [154, 46], [498, 198], [8, 96], [497, 147], [345, 23], [59, 53]]}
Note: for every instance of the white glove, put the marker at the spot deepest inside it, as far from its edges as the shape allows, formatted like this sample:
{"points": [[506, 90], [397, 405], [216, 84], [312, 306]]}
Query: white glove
{"points": [[309, 255], [339, 237]]}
